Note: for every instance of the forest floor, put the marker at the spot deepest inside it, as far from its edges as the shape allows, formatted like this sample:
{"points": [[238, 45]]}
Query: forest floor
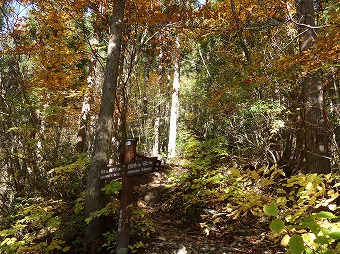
{"points": [[174, 235]]}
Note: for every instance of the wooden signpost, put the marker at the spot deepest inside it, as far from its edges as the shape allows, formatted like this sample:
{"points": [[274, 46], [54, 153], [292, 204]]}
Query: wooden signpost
{"points": [[136, 167], [130, 168]]}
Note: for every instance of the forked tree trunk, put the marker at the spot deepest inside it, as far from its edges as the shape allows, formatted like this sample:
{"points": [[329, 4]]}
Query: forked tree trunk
{"points": [[316, 131], [94, 199], [174, 103]]}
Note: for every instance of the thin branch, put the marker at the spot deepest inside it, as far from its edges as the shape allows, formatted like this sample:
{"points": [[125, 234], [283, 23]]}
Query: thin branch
{"points": [[305, 25], [205, 66], [290, 42]]}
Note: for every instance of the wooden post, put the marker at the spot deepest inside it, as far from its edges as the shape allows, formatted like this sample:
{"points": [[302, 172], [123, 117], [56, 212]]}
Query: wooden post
{"points": [[126, 200]]}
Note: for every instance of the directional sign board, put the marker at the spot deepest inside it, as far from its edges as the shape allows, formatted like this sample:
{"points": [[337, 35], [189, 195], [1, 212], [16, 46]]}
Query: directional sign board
{"points": [[113, 172], [158, 162], [137, 167]]}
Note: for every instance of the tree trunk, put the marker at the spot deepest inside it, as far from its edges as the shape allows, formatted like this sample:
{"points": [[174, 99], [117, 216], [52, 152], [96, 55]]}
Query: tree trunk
{"points": [[94, 199], [316, 134], [315, 124], [155, 147], [156, 126], [174, 103], [88, 96]]}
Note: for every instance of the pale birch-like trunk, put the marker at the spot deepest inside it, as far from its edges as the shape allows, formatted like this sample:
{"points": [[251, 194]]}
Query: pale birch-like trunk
{"points": [[174, 103], [155, 147], [94, 199]]}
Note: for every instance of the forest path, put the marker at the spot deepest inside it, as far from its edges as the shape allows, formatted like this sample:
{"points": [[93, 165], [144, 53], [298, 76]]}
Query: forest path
{"points": [[174, 236]]}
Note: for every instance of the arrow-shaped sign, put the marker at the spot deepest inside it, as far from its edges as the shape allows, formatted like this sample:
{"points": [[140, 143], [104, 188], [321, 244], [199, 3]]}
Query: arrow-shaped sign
{"points": [[137, 167], [113, 172]]}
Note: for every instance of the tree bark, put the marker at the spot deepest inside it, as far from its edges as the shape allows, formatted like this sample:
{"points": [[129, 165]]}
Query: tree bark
{"points": [[155, 146], [174, 102], [317, 136], [94, 199], [316, 131], [156, 126], [88, 96]]}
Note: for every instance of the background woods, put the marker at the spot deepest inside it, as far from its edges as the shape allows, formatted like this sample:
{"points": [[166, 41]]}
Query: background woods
{"points": [[240, 98]]}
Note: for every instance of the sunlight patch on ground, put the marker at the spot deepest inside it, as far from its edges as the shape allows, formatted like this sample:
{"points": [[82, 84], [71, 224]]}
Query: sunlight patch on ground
{"points": [[182, 250]]}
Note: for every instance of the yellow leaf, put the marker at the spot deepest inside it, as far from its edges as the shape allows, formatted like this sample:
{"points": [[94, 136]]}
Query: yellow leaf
{"points": [[255, 175], [266, 181], [235, 172], [285, 240]]}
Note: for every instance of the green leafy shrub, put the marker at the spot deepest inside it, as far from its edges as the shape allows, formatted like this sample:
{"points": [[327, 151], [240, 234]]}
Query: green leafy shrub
{"points": [[204, 153], [141, 227], [304, 206], [68, 179], [110, 241], [32, 228], [241, 194], [111, 188], [305, 214], [141, 223]]}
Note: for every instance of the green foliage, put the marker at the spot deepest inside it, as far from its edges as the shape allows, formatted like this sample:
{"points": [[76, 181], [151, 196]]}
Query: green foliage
{"points": [[270, 209], [303, 206], [309, 231], [141, 228], [276, 226], [68, 178], [134, 247], [112, 188], [203, 154], [108, 209], [141, 223], [110, 241], [62, 173], [241, 194], [33, 227], [314, 233], [296, 244], [79, 203]]}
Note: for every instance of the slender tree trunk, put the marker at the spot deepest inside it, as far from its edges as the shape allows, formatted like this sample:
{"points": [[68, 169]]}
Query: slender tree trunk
{"points": [[41, 133], [317, 135], [88, 96], [57, 139], [155, 147], [156, 126], [174, 102], [94, 199]]}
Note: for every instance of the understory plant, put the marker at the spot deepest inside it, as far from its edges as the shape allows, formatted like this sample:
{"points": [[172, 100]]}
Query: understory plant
{"points": [[301, 211], [306, 216], [32, 228], [303, 207]]}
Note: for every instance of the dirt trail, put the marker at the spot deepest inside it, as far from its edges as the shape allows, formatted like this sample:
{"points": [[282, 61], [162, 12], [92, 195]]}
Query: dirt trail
{"points": [[173, 236]]}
